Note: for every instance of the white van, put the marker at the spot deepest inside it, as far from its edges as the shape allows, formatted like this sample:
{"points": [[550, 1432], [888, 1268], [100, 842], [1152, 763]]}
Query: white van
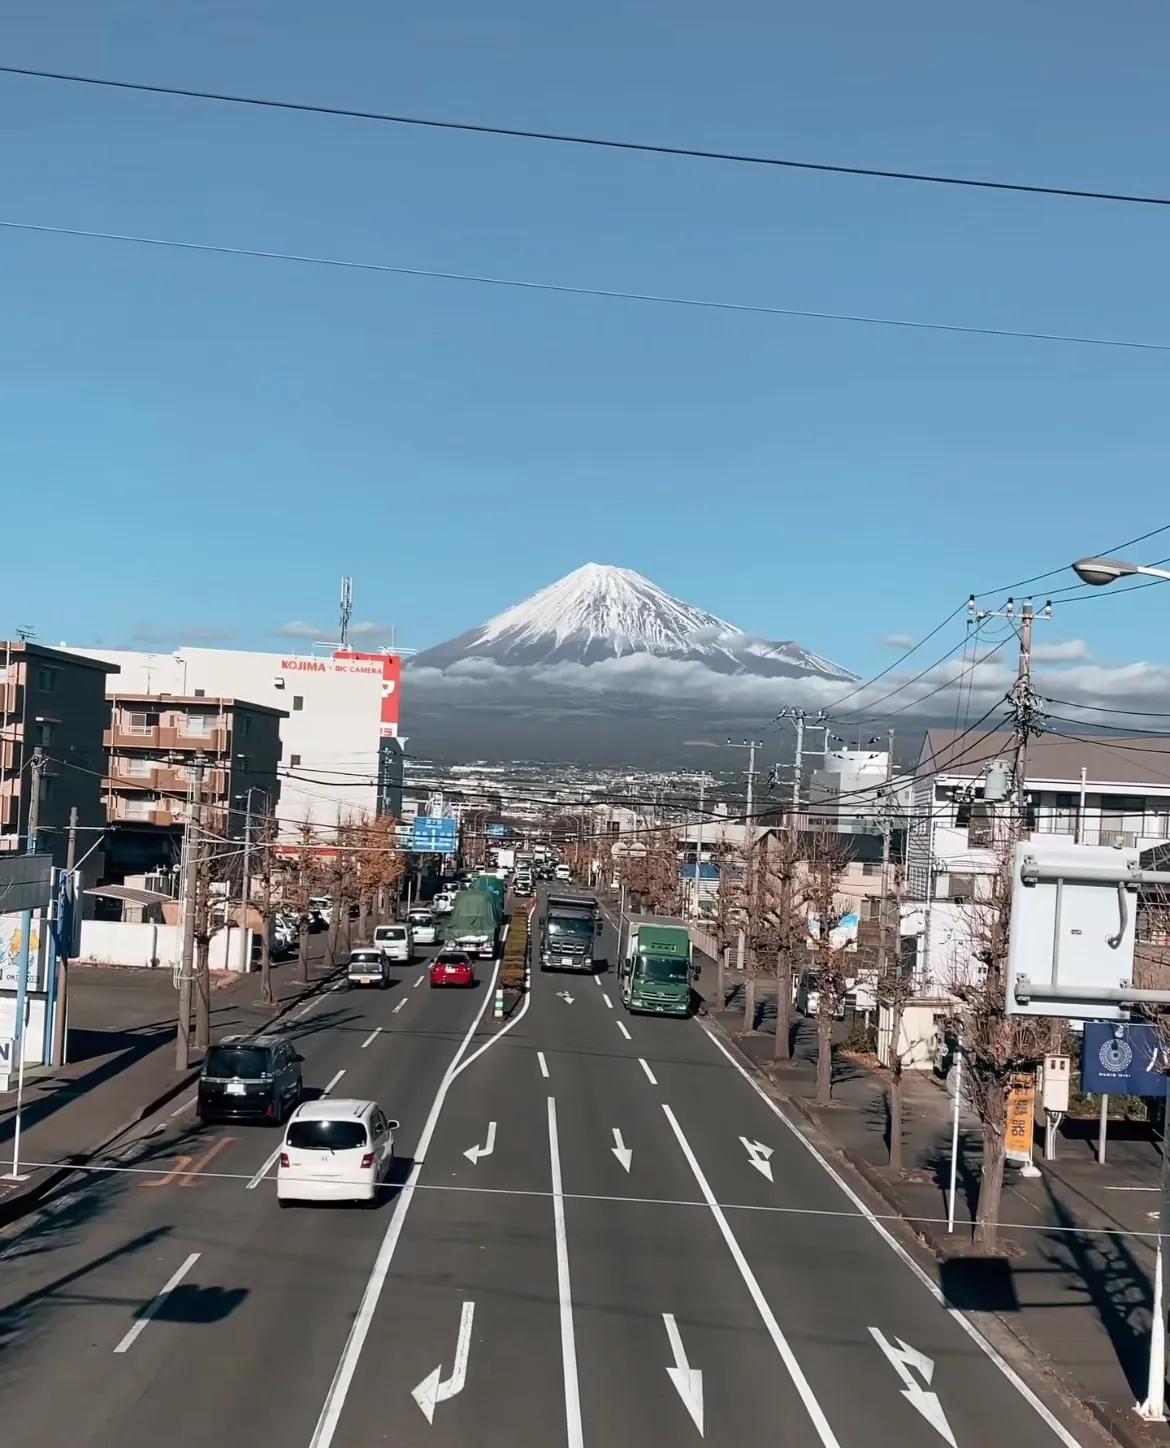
{"points": [[808, 995], [334, 1151], [395, 943], [563, 872]]}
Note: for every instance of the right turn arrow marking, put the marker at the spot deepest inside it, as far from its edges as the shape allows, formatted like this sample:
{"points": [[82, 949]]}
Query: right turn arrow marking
{"points": [[623, 1153], [758, 1155], [686, 1379], [434, 1388]]}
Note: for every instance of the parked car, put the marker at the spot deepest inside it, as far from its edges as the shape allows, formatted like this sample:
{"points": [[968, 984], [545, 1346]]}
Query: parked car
{"points": [[367, 966], [260, 1079], [452, 967], [424, 928], [394, 942], [808, 994], [335, 1150]]}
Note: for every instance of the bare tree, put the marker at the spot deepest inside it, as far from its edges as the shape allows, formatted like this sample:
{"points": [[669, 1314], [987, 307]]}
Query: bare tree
{"points": [[895, 986], [996, 1047], [827, 859], [787, 885], [304, 883], [264, 844], [378, 865]]}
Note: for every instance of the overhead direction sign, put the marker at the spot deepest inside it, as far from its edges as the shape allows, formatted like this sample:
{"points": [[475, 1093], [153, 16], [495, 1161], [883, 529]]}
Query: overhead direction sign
{"points": [[434, 835]]}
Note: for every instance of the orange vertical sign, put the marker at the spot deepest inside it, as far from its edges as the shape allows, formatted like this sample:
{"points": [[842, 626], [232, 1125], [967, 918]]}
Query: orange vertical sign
{"points": [[1021, 1116]]}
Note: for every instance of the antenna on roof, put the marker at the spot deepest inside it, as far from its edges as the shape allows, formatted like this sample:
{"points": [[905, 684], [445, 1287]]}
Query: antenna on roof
{"points": [[346, 610]]}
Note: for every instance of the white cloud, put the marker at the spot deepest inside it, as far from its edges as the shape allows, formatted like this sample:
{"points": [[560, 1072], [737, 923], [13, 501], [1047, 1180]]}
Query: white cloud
{"points": [[1070, 651], [298, 629], [367, 630], [898, 641]]}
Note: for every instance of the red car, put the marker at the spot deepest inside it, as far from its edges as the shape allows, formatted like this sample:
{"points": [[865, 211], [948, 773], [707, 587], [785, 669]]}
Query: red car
{"points": [[452, 967]]}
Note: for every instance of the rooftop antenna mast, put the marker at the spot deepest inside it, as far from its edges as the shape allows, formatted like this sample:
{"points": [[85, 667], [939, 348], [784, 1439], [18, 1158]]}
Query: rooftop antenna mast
{"points": [[346, 610]]}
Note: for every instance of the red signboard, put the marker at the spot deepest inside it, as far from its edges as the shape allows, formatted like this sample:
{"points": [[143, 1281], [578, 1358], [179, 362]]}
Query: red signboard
{"points": [[391, 666]]}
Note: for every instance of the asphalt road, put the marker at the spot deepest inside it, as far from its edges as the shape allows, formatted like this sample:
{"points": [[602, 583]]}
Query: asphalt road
{"points": [[642, 1249]]}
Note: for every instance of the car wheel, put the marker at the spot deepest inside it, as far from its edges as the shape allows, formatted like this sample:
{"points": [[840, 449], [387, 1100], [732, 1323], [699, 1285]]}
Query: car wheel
{"points": [[284, 1203]]}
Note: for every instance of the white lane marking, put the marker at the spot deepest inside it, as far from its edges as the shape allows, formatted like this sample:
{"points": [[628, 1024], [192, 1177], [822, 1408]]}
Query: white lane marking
{"points": [[473, 1153], [787, 1356], [759, 1155], [399, 1006], [607, 1000], [597, 981], [431, 1390], [339, 985], [892, 1242], [650, 1076], [686, 1379], [621, 1025], [503, 1031], [155, 1303], [542, 1063], [270, 1160], [184, 1106], [418, 982], [331, 1409], [565, 996], [623, 1153], [372, 1037], [903, 1358], [574, 1430], [334, 1082]]}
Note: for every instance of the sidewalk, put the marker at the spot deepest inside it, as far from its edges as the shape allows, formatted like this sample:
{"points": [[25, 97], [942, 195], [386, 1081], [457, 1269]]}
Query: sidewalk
{"points": [[1075, 1282], [122, 1063]]}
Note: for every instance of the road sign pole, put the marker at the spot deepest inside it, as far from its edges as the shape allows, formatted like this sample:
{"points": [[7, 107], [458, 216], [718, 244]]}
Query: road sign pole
{"points": [[1153, 1409], [1102, 1129]]}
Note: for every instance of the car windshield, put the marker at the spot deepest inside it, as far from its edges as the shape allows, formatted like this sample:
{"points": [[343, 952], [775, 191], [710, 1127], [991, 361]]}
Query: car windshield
{"points": [[392, 932], [320, 1135], [661, 971], [365, 957], [249, 1061], [423, 920], [571, 926]]}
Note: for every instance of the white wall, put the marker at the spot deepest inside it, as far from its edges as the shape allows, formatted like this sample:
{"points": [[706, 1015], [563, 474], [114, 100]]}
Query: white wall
{"points": [[120, 942], [947, 956], [335, 734]]}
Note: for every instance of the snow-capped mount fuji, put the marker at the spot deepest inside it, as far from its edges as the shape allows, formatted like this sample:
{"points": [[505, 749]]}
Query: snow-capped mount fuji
{"points": [[600, 612]]}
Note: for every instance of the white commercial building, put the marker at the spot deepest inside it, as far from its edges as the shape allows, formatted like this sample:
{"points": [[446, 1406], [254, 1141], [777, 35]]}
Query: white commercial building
{"points": [[340, 747]]}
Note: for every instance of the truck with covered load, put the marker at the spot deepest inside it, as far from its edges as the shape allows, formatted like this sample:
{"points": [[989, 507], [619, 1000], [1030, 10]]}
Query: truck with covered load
{"points": [[568, 929], [494, 886], [656, 970], [474, 922]]}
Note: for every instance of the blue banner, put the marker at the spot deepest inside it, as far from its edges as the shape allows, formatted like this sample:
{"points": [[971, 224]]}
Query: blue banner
{"points": [[1123, 1060]]}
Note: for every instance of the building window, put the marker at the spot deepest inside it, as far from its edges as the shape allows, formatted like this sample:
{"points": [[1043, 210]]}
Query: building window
{"points": [[46, 733], [294, 760], [980, 825], [47, 782], [137, 768], [47, 680], [870, 867], [142, 723], [200, 693], [245, 723], [201, 726], [298, 701]]}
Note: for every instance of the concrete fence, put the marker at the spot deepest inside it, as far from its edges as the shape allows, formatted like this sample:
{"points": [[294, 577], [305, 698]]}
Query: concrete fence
{"points": [[122, 942]]}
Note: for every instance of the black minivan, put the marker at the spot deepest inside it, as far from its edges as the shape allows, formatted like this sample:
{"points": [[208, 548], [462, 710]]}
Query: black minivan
{"points": [[258, 1079]]}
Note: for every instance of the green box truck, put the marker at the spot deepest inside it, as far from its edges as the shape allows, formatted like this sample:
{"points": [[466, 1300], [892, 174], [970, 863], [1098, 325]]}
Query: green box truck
{"points": [[656, 969]]}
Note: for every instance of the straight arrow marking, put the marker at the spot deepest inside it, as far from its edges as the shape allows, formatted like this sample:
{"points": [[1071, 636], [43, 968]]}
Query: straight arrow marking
{"points": [[624, 1154], [565, 996], [758, 1155], [904, 1359], [473, 1153], [434, 1388], [687, 1380]]}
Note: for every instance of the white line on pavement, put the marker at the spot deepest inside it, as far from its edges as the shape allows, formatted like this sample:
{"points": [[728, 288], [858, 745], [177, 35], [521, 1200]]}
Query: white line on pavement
{"points": [[269, 1163], [787, 1356], [184, 1106], [607, 1000], [334, 1082], [575, 1432], [418, 982], [597, 981], [542, 1063], [339, 984], [621, 1025], [372, 1037], [892, 1242], [153, 1306], [399, 1006], [347, 1364], [650, 1076]]}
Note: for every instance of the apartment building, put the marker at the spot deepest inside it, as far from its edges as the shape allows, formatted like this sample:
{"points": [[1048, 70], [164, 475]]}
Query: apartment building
{"points": [[1096, 790], [155, 743], [57, 701]]}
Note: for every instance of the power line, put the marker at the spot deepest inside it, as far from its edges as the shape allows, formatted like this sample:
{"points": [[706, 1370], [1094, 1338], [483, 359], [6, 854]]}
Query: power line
{"points": [[565, 289], [568, 138], [1109, 709], [1055, 572]]}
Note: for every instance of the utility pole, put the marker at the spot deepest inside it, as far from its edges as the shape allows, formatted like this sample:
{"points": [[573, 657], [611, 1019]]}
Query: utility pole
{"points": [[60, 1014], [187, 954], [699, 848], [751, 745], [887, 831], [36, 771], [246, 881], [269, 841]]}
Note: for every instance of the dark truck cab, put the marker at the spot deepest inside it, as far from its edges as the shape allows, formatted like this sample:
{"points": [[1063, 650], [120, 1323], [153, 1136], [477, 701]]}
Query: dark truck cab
{"points": [[568, 930]]}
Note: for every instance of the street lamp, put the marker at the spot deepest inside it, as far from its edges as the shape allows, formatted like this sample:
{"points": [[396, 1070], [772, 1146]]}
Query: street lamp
{"points": [[1099, 571]]}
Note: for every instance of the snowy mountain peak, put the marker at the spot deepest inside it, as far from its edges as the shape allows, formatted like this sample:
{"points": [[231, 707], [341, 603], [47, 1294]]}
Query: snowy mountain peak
{"points": [[600, 602], [602, 612]]}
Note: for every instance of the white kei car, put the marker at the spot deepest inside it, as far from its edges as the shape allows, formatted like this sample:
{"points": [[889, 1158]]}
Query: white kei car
{"points": [[424, 929], [395, 942], [335, 1150]]}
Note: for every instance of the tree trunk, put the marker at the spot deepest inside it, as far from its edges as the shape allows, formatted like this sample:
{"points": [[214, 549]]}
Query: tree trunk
{"points": [[896, 1115], [334, 934], [991, 1180], [303, 947], [266, 940], [721, 997], [782, 1047], [363, 916], [824, 1056], [749, 1003], [202, 994]]}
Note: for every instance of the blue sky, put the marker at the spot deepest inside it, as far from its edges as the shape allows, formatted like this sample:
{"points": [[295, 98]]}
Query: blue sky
{"points": [[205, 444]]}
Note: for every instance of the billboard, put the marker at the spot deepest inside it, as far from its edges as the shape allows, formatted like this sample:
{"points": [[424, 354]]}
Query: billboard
{"points": [[434, 835], [390, 666], [1123, 1060]]}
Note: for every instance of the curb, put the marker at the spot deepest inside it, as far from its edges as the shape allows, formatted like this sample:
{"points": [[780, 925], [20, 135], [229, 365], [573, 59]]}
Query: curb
{"points": [[1125, 1431], [27, 1202]]}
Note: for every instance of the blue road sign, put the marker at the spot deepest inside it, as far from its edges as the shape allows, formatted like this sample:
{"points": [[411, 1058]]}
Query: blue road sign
{"points": [[1123, 1060], [434, 835], [498, 832]]}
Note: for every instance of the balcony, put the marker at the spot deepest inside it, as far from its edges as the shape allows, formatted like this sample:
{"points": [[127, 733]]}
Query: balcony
{"points": [[164, 736], [161, 813]]}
